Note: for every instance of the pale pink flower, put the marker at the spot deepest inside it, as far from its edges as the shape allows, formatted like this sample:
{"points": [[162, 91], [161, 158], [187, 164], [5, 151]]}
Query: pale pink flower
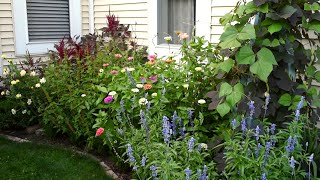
{"points": [[130, 58], [183, 36], [152, 57], [114, 72], [106, 65], [118, 56]]}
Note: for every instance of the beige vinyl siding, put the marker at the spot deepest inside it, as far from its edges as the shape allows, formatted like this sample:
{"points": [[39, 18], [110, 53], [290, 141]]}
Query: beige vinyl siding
{"points": [[85, 16], [6, 28], [132, 12], [218, 9]]}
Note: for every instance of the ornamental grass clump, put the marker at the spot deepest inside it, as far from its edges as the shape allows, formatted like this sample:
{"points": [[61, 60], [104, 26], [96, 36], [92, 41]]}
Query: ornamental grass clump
{"points": [[277, 152]]}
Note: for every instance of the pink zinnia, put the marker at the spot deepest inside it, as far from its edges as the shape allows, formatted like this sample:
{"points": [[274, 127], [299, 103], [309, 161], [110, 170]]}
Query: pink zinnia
{"points": [[152, 57], [108, 99], [130, 58], [99, 132], [118, 56], [153, 78], [183, 36], [114, 72], [106, 65]]}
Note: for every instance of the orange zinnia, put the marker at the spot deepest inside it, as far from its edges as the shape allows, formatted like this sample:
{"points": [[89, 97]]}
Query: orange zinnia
{"points": [[168, 60], [151, 62], [147, 86]]}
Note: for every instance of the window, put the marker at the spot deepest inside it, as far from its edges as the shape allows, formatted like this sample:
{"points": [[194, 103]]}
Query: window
{"points": [[168, 16], [41, 23], [175, 15]]}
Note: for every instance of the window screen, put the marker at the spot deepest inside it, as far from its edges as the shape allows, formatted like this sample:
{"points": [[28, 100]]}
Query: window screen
{"points": [[48, 20]]}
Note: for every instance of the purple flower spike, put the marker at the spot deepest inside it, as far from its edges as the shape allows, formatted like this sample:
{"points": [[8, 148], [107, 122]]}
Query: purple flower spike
{"points": [[191, 144], [166, 129], [188, 173]]}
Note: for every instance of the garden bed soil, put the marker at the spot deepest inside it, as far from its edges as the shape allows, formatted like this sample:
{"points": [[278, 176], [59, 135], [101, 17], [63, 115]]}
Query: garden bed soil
{"points": [[63, 142]]}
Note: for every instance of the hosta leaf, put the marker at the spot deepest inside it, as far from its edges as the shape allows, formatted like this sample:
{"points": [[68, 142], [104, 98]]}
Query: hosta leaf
{"points": [[285, 100], [262, 69], [227, 65], [276, 27], [223, 109], [225, 89], [245, 55], [248, 32]]}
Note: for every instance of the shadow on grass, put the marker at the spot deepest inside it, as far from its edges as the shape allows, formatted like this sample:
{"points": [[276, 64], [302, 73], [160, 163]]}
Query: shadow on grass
{"points": [[33, 161]]}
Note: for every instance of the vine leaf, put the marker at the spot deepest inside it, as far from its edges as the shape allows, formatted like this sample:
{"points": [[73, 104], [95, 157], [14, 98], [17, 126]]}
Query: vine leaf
{"points": [[285, 100], [248, 32], [266, 55], [229, 38], [236, 95], [287, 11], [276, 27], [227, 65], [223, 109], [259, 2], [262, 69], [317, 76], [225, 89], [245, 55]]}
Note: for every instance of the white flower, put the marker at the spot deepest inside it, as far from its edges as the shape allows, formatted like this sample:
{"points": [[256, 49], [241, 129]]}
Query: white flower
{"points": [[43, 80], [7, 92], [168, 38], [130, 69], [198, 68], [123, 70], [112, 93], [154, 94], [5, 71], [234, 23], [204, 146], [33, 73], [24, 111], [13, 82], [13, 111], [83, 95], [3, 93], [3, 56], [29, 101], [22, 73], [101, 70], [139, 86], [135, 90], [38, 85], [143, 101], [185, 86], [18, 96], [201, 101], [17, 80]]}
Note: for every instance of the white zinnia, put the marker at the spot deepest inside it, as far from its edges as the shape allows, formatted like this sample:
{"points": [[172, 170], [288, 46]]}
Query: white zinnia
{"points": [[18, 96], [13, 82], [198, 68], [13, 111], [23, 73], [139, 86], [43, 80], [154, 94], [29, 102], [83, 95], [130, 69], [135, 90], [143, 101], [201, 101], [101, 70], [185, 86], [3, 93], [24, 111], [112, 93], [204, 146], [33, 73], [38, 85]]}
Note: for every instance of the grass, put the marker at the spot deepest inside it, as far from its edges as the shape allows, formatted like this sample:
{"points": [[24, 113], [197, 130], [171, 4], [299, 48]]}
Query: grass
{"points": [[35, 161]]}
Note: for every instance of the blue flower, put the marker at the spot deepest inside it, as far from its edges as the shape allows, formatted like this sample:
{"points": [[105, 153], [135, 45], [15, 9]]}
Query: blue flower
{"points": [[131, 79], [174, 127], [291, 144], [204, 173], [191, 144], [143, 161], [292, 163], [251, 108], [130, 154], [273, 128], [188, 173], [166, 129], [264, 177], [268, 146], [182, 129], [120, 131], [190, 112], [299, 106], [153, 168], [267, 100], [234, 124], [257, 133], [256, 152], [243, 125], [310, 159], [144, 121]]}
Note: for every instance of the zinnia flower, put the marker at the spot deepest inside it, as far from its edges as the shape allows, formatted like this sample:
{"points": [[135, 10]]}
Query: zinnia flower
{"points": [[154, 94], [13, 82], [114, 72], [18, 96], [83, 95], [198, 68], [13, 111], [38, 85], [99, 131], [130, 58], [101, 70], [106, 65], [139, 86], [22, 73], [153, 78], [24, 111], [135, 90], [118, 56], [168, 61], [3, 93], [147, 86], [152, 57], [168, 38], [33, 73], [185, 86], [183, 36], [151, 62], [143, 101], [108, 99], [112, 93], [201, 101], [29, 101], [43, 80]]}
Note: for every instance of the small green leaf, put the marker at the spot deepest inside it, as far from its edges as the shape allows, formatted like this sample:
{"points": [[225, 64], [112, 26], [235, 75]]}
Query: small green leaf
{"points": [[238, 88], [285, 100], [315, 25], [266, 55], [275, 43], [233, 43], [225, 89], [312, 91], [102, 89], [229, 38], [245, 55], [287, 11], [262, 69], [250, 7], [317, 76], [266, 42], [233, 98], [223, 109], [276, 27], [227, 65], [310, 71], [248, 32]]}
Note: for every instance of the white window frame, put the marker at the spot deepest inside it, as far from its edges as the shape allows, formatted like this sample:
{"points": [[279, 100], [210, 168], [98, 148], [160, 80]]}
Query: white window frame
{"points": [[203, 26], [20, 19]]}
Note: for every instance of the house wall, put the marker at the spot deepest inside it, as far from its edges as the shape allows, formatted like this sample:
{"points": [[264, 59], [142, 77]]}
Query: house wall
{"points": [[132, 12], [6, 29], [85, 16]]}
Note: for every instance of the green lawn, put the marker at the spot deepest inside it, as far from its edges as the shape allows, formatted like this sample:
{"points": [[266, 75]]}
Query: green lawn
{"points": [[33, 161]]}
